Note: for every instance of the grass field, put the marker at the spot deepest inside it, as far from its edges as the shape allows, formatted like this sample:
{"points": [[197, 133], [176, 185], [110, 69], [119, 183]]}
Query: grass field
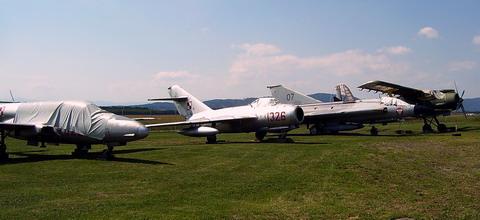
{"points": [[168, 176]]}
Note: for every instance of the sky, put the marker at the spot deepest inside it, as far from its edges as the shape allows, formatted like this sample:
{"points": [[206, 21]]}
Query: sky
{"points": [[129, 51]]}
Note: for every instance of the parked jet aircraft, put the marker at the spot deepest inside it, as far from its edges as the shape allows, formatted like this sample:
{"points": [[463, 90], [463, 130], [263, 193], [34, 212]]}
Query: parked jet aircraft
{"points": [[261, 116], [346, 113], [70, 122], [428, 103]]}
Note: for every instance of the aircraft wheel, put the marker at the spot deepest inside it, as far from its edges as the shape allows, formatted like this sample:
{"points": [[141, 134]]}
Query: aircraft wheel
{"points": [[107, 155], [313, 130], [374, 131], [260, 135], [81, 151], [3, 156], [442, 128], [212, 139], [427, 129]]}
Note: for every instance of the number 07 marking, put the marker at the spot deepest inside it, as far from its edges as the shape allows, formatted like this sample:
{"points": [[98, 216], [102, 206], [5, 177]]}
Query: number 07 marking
{"points": [[290, 96]]}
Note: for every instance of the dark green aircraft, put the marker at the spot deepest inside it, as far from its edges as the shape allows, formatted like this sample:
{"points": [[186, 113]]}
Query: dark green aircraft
{"points": [[428, 103]]}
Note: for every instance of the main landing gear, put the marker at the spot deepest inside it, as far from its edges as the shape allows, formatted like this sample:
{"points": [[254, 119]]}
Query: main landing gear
{"points": [[3, 146], [212, 139], [374, 131], [313, 130], [81, 150], [427, 126], [107, 154], [260, 135]]}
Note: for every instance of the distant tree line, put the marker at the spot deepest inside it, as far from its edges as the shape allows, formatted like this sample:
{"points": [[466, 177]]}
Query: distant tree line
{"points": [[129, 110]]}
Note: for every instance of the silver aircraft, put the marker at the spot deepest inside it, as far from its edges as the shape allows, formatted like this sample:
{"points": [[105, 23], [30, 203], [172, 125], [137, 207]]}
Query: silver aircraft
{"points": [[261, 116], [345, 112], [70, 122]]}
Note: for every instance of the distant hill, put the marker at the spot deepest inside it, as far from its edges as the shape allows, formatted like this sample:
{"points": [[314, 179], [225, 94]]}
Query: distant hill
{"points": [[161, 106], [472, 105], [324, 97], [225, 103]]}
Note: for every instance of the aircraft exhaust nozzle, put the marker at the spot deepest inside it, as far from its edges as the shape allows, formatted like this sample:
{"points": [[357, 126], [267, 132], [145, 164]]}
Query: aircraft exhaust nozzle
{"points": [[299, 114], [199, 131]]}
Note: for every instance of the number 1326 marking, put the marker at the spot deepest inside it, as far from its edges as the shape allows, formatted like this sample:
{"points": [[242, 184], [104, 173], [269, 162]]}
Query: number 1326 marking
{"points": [[277, 116]]}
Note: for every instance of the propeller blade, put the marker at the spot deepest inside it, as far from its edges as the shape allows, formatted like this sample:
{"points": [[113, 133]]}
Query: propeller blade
{"points": [[463, 93], [463, 110], [11, 95], [455, 84]]}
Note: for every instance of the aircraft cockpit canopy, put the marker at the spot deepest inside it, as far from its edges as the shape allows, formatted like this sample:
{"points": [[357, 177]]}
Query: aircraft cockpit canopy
{"points": [[435, 93]]}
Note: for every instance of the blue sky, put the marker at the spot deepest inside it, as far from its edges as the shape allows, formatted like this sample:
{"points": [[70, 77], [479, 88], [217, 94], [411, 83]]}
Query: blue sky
{"points": [[128, 51]]}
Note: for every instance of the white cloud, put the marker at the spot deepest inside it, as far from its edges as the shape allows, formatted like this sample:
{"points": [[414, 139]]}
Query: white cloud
{"points": [[428, 32], [476, 40], [350, 62], [173, 75], [258, 49], [464, 65], [311, 73], [396, 50]]}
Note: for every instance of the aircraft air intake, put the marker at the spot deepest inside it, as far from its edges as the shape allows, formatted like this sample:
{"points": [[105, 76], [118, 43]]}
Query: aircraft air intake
{"points": [[300, 114]]}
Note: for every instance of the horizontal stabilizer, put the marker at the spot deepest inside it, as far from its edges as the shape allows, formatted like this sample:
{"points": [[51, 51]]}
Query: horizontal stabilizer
{"points": [[143, 119], [178, 99]]}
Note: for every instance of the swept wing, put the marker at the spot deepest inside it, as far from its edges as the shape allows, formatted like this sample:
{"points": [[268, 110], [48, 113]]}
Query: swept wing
{"points": [[410, 95], [343, 114], [204, 121]]}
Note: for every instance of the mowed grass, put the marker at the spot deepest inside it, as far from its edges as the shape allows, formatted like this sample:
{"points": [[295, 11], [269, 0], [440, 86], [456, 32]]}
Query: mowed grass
{"points": [[169, 176]]}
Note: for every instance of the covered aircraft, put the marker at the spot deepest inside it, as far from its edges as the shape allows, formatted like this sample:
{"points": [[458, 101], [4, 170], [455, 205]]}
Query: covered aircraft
{"points": [[70, 122], [346, 112], [428, 103], [261, 116]]}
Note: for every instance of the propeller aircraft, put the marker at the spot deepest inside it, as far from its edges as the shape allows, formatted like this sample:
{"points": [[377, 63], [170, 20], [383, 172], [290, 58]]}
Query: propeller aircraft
{"points": [[428, 103]]}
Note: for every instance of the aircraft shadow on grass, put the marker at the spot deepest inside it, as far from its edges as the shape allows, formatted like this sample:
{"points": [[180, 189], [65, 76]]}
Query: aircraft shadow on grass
{"points": [[468, 128], [31, 157], [352, 134], [271, 141]]}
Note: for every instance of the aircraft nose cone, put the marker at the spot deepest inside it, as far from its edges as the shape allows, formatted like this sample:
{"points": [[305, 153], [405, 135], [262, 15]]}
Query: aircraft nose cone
{"points": [[142, 132]]}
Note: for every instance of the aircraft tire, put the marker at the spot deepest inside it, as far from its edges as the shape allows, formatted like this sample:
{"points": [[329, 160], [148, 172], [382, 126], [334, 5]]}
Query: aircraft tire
{"points": [[313, 130], [374, 131], [442, 128], [212, 139], [107, 155], [427, 129], [3, 152], [260, 135], [3, 156]]}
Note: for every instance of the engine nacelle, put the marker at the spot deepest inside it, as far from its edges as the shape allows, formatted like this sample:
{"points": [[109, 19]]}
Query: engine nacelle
{"points": [[199, 131]]}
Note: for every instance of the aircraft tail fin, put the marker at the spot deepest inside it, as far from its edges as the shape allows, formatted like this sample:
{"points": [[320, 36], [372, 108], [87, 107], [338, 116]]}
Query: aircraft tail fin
{"points": [[344, 94], [289, 96], [186, 104]]}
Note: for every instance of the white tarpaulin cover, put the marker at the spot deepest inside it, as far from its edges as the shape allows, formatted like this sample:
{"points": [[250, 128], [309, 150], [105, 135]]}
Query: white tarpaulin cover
{"points": [[70, 116]]}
